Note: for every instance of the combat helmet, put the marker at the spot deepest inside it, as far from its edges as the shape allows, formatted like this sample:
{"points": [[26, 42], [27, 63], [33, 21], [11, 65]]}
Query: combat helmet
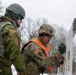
{"points": [[16, 9], [47, 29]]}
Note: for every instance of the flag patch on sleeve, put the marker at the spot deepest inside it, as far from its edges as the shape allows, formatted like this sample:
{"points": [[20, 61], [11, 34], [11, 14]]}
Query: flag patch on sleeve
{"points": [[36, 51]]}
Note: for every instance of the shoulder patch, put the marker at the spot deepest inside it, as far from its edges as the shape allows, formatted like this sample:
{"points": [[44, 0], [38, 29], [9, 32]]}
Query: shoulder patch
{"points": [[40, 53]]}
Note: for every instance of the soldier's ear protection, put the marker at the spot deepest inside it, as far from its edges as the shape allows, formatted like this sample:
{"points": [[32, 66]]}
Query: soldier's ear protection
{"points": [[20, 17], [15, 16]]}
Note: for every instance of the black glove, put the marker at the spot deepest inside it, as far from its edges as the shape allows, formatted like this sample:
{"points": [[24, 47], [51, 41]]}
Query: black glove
{"points": [[41, 69], [62, 48], [62, 62]]}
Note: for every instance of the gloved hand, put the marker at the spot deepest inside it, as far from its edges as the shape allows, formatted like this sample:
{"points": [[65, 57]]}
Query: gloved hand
{"points": [[62, 62], [62, 48]]}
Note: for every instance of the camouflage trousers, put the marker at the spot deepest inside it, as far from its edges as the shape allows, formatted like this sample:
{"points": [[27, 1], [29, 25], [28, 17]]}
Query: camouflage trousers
{"points": [[5, 72], [33, 72], [4, 68], [32, 69]]}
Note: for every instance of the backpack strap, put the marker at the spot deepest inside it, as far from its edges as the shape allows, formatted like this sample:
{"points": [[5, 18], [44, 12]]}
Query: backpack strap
{"points": [[2, 24]]}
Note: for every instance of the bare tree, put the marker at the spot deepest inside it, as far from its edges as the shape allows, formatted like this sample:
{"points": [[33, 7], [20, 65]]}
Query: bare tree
{"points": [[32, 26], [60, 37], [29, 28], [1, 7]]}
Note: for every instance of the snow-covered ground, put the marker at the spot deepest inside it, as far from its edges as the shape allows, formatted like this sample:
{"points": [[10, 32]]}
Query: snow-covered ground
{"points": [[13, 70]]}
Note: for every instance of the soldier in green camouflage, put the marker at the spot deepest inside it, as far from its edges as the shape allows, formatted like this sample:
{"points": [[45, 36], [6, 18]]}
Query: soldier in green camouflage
{"points": [[36, 53], [10, 40]]}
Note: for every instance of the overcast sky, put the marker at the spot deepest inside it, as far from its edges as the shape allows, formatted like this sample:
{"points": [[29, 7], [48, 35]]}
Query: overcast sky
{"points": [[61, 12]]}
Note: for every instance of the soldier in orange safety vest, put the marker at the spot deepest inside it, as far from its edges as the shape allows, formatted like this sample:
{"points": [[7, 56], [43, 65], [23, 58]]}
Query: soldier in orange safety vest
{"points": [[36, 53]]}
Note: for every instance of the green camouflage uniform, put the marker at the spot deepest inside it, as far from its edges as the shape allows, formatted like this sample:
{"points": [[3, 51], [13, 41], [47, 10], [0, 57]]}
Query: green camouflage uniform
{"points": [[12, 53], [35, 60]]}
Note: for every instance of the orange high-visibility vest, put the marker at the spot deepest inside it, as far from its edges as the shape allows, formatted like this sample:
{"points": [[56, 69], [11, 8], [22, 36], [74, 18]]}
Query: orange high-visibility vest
{"points": [[45, 49]]}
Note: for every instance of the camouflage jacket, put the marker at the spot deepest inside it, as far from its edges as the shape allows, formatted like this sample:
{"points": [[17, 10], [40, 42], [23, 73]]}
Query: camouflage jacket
{"points": [[35, 58], [11, 39]]}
